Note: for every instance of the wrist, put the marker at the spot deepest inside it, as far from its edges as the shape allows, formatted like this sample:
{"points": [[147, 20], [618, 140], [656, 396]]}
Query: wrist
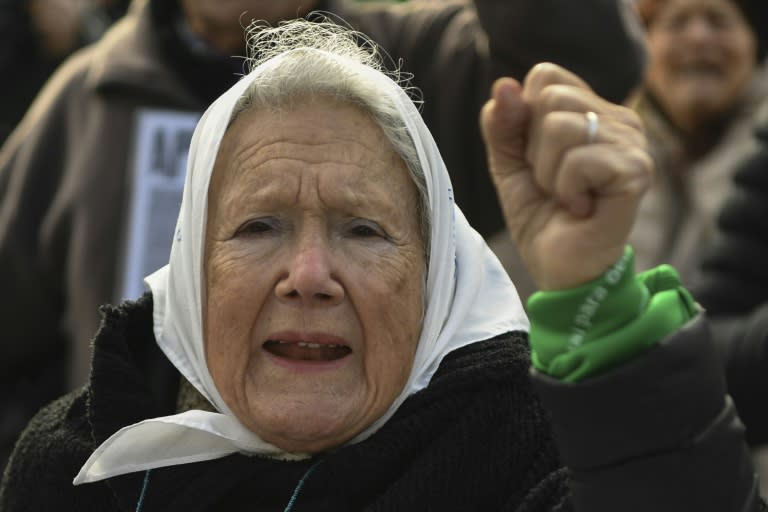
{"points": [[568, 276], [585, 331]]}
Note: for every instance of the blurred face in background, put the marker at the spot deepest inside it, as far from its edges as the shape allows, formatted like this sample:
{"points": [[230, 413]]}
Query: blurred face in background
{"points": [[221, 22], [57, 24], [702, 57]]}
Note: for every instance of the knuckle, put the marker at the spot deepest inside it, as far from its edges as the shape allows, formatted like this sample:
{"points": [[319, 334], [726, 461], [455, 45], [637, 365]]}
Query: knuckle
{"points": [[544, 71], [555, 97], [554, 124], [636, 164], [631, 118], [542, 75]]}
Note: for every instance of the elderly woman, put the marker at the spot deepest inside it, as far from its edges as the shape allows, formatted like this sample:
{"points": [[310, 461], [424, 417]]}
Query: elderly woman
{"points": [[704, 82], [330, 333]]}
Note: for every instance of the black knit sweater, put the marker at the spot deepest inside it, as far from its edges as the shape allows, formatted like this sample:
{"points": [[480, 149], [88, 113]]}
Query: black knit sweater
{"points": [[475, 439]]}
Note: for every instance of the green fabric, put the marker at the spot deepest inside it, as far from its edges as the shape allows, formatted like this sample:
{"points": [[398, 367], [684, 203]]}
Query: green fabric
{"points": [[586, 331]]}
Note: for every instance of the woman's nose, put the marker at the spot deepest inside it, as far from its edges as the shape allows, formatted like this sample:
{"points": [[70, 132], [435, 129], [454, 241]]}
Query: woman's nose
{"points": [[309, 279], [700, 30]]}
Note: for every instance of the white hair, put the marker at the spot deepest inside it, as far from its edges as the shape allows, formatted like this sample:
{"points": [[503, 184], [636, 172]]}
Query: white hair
{"points": [[303, 75]]}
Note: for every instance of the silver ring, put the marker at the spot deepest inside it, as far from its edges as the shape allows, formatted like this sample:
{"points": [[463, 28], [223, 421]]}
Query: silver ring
{"points": [[593, 124]]}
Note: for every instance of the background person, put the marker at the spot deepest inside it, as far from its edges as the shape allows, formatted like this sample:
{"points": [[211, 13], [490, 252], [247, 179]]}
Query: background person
{"points": [[328, 308], [704, 81], [91, 180], [37, 36], [734, 290], [734, 276]]}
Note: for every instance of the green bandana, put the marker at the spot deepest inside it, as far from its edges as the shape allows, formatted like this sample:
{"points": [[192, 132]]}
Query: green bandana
{"points": [[586, 331]]}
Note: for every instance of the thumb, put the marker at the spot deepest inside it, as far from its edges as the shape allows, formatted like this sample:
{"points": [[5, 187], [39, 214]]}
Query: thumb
{"points": [[504, 125]]}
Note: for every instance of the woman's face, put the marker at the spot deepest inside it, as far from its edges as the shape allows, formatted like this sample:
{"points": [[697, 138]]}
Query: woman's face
{"points": [[314, 272], [702, 56]]}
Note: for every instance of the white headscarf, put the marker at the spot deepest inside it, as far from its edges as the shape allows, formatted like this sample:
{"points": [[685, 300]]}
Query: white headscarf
{"points": [[469, 298]]}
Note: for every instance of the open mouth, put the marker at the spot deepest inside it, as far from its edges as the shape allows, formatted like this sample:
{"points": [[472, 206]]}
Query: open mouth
{"points": [[701, 69], [306, 351]]}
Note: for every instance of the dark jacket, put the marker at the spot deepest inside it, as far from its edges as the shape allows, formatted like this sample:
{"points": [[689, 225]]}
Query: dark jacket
{"points": [[657, 435], [67, 172], [22, 58], [734, 286], [734, 270]]}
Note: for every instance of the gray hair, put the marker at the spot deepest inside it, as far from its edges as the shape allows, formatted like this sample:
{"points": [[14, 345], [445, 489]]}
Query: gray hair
{"points": [[303, 75]]}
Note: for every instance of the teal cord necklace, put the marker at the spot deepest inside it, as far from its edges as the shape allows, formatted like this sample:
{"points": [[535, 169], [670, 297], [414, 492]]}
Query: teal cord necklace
{"points": [[288, 507], [144, 487], [297, 490]]}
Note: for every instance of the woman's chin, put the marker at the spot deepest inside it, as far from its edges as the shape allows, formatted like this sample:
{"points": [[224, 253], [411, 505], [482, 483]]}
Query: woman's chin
{"points": [[317, 428], [308, 438]]}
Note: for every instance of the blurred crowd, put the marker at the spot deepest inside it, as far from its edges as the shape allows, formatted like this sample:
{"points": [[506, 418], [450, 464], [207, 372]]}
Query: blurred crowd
{"points": [[100, 98], [37, 36]]}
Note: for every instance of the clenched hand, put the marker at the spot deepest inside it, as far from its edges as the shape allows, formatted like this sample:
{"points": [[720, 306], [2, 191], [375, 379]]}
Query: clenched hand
{"points": [[569, 169]]}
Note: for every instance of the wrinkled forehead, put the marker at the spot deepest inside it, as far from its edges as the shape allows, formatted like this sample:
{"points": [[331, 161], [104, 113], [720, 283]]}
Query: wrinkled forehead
{"points": [[318, 140]]}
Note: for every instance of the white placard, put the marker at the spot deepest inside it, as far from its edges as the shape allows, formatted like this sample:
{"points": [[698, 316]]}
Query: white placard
{"points": [[156, 183]]}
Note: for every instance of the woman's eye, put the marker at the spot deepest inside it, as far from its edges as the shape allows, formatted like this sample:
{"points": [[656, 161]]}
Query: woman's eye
{"points": [[720, 21], [256, 227], [365, 230], [674, 24]]}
